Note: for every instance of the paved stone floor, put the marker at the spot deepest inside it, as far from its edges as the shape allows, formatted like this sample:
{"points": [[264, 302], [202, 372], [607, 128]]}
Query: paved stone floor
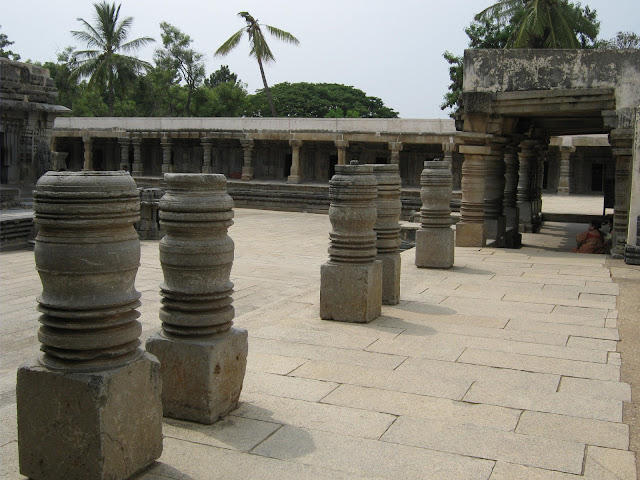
{"points": [[502, 367]]}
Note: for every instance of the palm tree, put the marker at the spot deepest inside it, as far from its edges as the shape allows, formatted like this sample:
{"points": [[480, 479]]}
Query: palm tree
{"points": [[259, 48], [544, 23], [104, 64]]}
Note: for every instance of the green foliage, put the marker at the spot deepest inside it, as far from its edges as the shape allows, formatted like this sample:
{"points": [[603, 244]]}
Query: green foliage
{"points": [[4, 43], [452, 97], [222, 75], [319, 100], [622, 41], [224, 100]]}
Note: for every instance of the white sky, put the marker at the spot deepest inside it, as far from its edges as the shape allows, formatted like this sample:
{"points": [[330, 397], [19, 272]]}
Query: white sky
{"points": [[388, 49]]}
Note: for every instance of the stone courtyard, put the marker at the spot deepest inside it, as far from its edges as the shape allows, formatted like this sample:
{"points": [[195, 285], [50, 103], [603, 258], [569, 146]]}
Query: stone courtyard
{"points": [[506, 366]]}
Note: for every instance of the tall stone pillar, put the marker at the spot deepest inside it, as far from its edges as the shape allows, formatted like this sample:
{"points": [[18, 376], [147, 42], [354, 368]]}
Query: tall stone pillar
{"points": [[88, 153], [513, 239], [90, 406], [527, 165], [124, 154], [565, 166], [295, 161], [203, 359], [351, 281], [342, 146], [137, 168], [395, 148], [494, 194], [387, 228], [247, 164], [206, 156], [471, 232], [165, 143], [621, 142], [434, 240]]}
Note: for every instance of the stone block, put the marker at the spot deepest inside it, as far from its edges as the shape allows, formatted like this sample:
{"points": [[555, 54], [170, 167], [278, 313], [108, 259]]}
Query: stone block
{"points": [[202, 378], [471, 235], [496, 229], [434, 248], [351, 293], [100, 425], [390, 278]]}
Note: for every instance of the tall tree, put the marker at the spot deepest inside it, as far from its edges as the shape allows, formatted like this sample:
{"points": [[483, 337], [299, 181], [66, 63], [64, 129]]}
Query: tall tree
{"points": [[622, 41], [102, 62], [177, 54], [220, 76], [259, 48], [4, 43]]}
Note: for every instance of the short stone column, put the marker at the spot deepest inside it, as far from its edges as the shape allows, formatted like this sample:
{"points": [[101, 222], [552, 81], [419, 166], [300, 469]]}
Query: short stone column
{"points": [[387, 228], [124, 154], [434, 240], [295, 161], [247, 163], [88, 153], [565, 166], [621, 142], [513, 239], [137, 168], [206, 156], [165, 143], [203, 359], [149, 225], [90, 406], [471, 231], [526, 161], [342, 146], [395, 148], [351, 281]]}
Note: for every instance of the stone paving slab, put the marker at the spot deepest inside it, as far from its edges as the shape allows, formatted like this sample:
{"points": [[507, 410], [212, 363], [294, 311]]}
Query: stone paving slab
{"points": [[502, 367]]}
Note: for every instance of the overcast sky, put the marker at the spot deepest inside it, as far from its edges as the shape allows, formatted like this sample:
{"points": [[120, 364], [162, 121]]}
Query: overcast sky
{"points": [[390, 49]]}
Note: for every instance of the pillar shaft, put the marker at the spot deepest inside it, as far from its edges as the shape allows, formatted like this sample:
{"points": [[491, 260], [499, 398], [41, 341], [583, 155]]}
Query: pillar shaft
{"points": [[525, 196], [247, 163], [342, 146], [137, 168], [565, 168], [295, 176], [165, 143], [88, 153], [470, 232], [124, 154], [206, 157], [622, 149], [395, 148], [513, 239]]}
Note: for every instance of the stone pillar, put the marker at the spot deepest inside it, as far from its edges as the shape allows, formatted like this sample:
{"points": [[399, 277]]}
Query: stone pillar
{"points": [[622, 149], [90, 406], [539, 185], [471, 232], [206, 156], [526, 160], [434, 240], [387, 228], [247, 164], [167, 166], [494, 194], [149, 224], [137, 168], [295, 161], [124, 154], [342, 146], [513, 239], [351, 281], [565, 166], [396, 148], [203, 359], [88, 153]]}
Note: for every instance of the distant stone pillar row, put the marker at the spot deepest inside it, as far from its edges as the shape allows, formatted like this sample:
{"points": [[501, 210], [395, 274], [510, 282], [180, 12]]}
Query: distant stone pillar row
{"points": [[203, 359], [124, 154], [351, 281], [295, 161], [342, 146], [88, 153], [165, 143], [396, 148], [101, 390], [247, 163], [513, 239], [565, 165], [622, 149], [526, 159], [206, 156], [137, 168], [435, 239], [471, 232], [387, 229]]}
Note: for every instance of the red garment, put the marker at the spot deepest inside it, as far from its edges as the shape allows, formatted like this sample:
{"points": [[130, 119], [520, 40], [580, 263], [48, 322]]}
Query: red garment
{"points": [[590, 241]]}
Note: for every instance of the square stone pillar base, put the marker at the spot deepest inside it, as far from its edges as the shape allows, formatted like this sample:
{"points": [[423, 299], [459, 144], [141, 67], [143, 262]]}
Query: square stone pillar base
{"points": [[247, 173], [525, 215], [495, 229], [471, 235], [390, 278], [100, 425], [137, 169], [167, 168], [201, 379], [512, 238], [293, 179], [434, 248], [351, 293]]}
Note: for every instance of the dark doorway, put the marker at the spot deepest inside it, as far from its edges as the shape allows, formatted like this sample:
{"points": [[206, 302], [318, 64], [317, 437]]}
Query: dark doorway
{"points": [[333, 161], [381, 160], [596, 177], [287, 165], [545, 175]]}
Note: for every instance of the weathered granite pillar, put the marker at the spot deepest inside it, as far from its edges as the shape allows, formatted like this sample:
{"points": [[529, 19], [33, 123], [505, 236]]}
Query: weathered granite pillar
{"points": [[513, 238], [206, 155], [124, 154], [396, 148], [165, 143], [351, 281], [247, 164], [149, 225], [526, 160], [494, 193], [88, 153], [434, 240], [387, 228], [342, 146], [471, 231], [295, 161], [621, 142], [90, 406], [137, 168], [565, 165], [203, 359]]}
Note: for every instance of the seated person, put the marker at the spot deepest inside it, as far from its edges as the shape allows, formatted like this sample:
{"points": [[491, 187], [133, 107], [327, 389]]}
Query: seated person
{"points": [[591, 241]]}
